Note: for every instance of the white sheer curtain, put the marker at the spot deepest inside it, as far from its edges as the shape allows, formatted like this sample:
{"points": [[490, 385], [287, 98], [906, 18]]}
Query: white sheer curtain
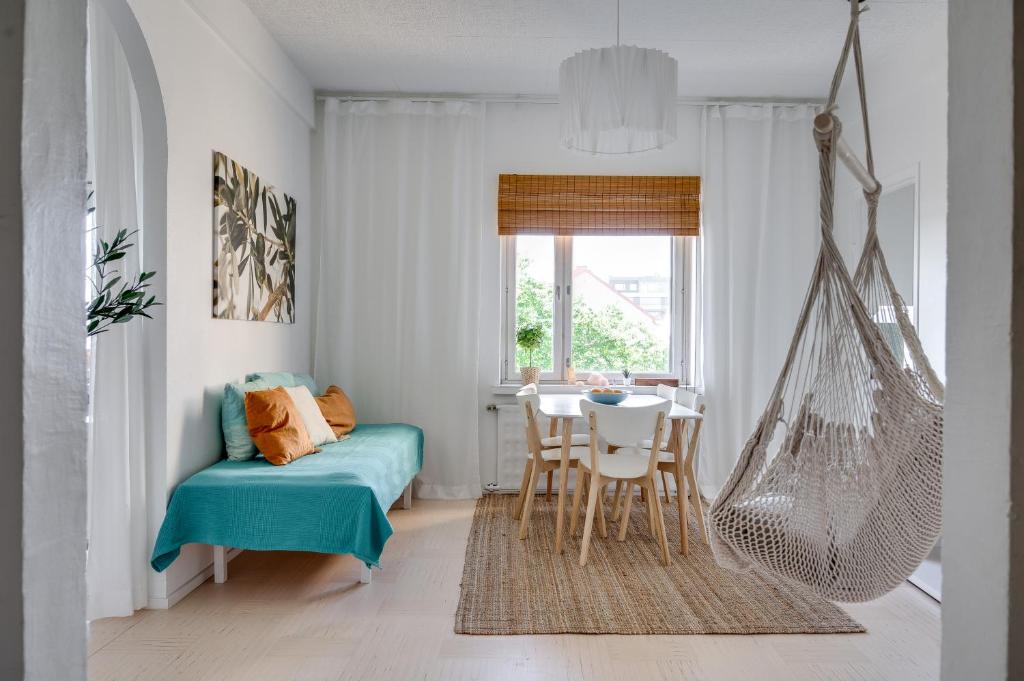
{"points": [[760, 240], [117, 565], [398, 296]]}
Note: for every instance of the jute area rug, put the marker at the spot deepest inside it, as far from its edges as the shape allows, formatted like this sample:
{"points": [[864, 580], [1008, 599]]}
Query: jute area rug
{"points": [[522, 587]]}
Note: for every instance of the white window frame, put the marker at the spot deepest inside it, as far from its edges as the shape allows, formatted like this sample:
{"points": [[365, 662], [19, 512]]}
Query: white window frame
{"points": [[681, 303]]}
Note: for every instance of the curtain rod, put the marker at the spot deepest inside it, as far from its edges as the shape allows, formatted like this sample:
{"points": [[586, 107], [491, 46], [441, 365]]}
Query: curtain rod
{"points": [[538, 99]]}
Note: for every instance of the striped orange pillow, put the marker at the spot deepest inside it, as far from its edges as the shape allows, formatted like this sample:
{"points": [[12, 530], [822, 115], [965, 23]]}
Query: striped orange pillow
{"points": [[276, 426]]}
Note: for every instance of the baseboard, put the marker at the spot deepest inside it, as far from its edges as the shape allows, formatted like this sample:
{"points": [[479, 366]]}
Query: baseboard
{"points": [[928, 578], [188, 587]]}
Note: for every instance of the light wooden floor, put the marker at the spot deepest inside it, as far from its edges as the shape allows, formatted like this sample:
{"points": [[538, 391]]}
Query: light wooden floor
{"points": [[305, 617]]}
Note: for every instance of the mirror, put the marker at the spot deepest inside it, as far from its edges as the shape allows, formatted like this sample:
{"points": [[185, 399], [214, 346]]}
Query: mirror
{"points": [[897, 231]]}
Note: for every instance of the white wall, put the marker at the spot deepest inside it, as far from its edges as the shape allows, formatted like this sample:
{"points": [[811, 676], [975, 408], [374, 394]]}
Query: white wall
{"points": [[907, 104], [983, 559], [226, 86], [42, 375], [523, 138]]}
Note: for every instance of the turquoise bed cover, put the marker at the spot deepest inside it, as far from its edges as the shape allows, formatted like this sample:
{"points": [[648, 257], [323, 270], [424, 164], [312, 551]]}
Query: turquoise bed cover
{"points": [[334, 501]]}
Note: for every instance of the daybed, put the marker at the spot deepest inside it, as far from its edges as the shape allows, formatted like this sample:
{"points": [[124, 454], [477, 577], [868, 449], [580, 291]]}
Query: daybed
{"points": [[334, 501]]}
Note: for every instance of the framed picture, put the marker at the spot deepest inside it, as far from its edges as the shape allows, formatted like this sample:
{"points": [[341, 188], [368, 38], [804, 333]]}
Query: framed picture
{"points": [[253, 244]]}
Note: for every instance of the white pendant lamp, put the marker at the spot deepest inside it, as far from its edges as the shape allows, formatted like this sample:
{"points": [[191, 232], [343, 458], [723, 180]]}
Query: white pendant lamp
{"points": [[618, 100]]}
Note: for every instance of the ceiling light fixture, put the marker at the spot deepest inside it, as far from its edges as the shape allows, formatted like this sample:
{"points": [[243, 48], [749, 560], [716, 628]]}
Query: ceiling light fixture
{"points": [[618, 100]]}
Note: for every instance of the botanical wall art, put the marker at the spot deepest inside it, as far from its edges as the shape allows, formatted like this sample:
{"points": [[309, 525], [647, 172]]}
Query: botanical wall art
{"points": [[254, 246]]}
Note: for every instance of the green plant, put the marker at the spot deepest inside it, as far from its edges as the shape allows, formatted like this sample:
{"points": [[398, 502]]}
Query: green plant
{"points": [[626, 373], [529, 337], [112, 304]]}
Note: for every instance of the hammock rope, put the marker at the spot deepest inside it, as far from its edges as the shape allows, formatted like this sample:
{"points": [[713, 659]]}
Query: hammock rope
{"points": [[839, 487]]}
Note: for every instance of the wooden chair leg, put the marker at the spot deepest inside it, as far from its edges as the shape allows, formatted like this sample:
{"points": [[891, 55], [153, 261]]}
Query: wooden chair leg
{"points": [[627, 507], [662, 536], [523, 488], [524, 522], [664, 483], [551, 478], [698, 507], [602, 526], [588, 526], [646, 498], [577, 496], [616, 500]]}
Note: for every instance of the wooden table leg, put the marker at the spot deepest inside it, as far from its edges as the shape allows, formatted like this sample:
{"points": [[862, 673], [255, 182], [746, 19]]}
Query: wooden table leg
{"points": [[677, 451], [552, 431], [563, 482]]}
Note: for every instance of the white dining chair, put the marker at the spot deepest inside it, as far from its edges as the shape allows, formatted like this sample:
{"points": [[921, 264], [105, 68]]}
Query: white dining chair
{"points": [[540, 459], [553, 440], [665, 392], [686, 476], [625, 428]]}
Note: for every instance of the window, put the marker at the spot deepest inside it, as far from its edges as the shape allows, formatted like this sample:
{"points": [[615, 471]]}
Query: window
{"points": [[592, 296], [610, 331], [535, 296], [602, 263]]}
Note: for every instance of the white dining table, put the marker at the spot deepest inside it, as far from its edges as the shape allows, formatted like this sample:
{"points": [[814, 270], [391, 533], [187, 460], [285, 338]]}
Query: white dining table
{"points": [[566, 407]]}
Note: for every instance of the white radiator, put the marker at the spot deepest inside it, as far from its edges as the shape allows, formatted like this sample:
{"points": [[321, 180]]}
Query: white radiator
{"points": [[511, 446]]}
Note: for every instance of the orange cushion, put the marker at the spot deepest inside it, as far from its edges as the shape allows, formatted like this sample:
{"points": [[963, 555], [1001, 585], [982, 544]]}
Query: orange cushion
{"points": [[276, 426], [338, 410]]}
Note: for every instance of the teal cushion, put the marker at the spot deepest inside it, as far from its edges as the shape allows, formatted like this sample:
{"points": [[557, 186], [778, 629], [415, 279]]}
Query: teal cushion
{"points": [[237, 442], [285, 378]]}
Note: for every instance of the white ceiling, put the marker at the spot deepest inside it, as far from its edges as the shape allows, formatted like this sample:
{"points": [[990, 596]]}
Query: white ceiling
{"points": [[725, 48]]}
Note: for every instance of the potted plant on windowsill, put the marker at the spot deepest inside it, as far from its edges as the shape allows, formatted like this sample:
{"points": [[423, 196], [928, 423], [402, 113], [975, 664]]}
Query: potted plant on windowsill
{"points": [[529, 338]]}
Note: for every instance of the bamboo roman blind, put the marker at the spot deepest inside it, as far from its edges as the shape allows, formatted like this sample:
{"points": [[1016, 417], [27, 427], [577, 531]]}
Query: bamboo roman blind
{"points": [[568, 205]]}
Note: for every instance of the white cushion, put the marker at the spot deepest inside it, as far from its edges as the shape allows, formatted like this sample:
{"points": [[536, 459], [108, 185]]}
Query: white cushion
{"points": [[316, 425], [578, 439], [555, 454], [624, 463], [663, 455], [646, 444]]}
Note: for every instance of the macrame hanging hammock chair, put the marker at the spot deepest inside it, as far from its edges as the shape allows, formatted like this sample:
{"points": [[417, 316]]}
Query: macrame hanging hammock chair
{"points": [[839, 488]]}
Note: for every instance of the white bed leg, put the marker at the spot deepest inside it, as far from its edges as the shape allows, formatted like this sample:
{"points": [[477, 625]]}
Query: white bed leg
{"points": [[220, 564], [365, 574], [407, 497]]}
